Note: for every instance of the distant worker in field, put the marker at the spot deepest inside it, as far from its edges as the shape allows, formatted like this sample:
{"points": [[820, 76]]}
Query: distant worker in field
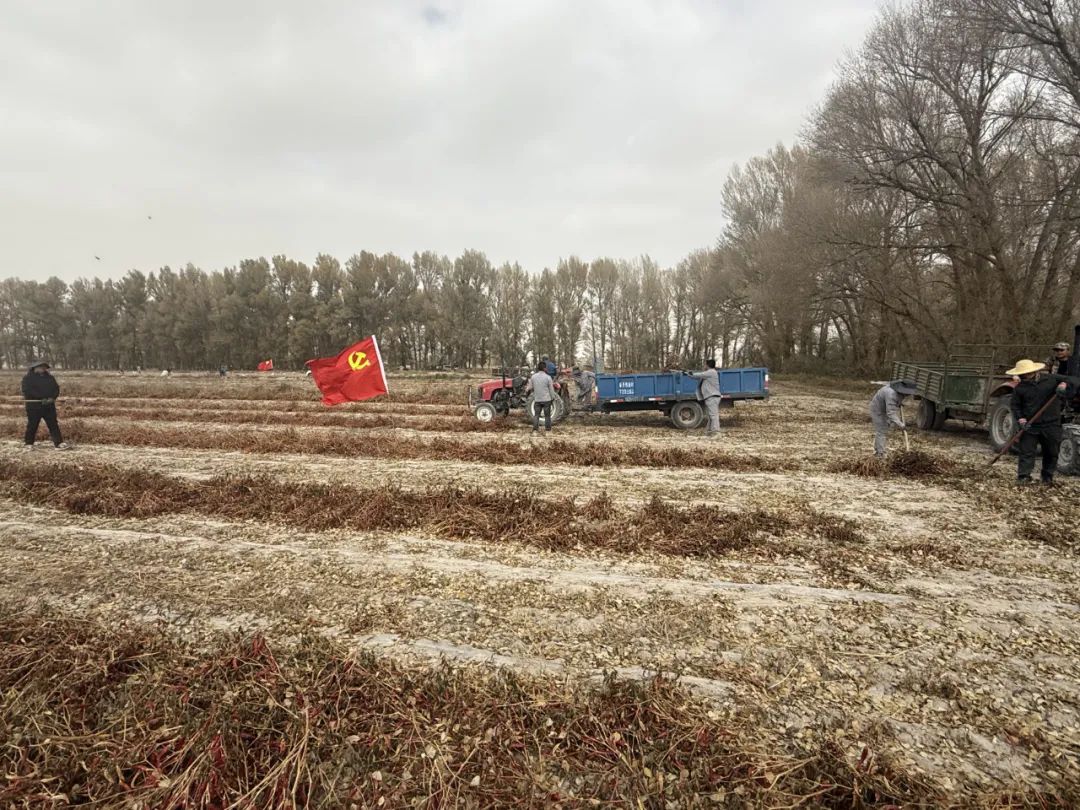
{"points": [[709, 393], [222, 370], [550, 367], [1040, 426], [1059, 360], [586, 383], [40, 390], [543, 390], [885, 412]]}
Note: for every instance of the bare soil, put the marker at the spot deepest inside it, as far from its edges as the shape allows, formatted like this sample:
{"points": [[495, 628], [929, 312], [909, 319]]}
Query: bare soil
{"points": [[944, 634]]}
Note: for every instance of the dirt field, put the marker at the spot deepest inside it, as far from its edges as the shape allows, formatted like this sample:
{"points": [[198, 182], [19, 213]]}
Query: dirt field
{"points": [[853, 634]]}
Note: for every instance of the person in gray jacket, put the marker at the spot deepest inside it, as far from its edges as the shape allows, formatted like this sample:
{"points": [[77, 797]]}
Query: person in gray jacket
{"points": [[586, 383], [885, 412], [709, 393], [543, 390]]}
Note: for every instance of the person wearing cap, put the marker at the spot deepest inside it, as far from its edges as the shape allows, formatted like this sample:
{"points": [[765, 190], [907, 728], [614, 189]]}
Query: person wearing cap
{"points": [[1059, 360], [1035, 390], [885, 412], [40, 390]]}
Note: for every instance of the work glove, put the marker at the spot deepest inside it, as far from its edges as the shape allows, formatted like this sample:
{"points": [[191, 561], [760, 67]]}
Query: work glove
{"points": [[1023, 424]]}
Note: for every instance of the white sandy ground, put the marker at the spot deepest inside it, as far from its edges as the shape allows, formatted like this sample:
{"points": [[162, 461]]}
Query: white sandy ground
{"points": [[957, 664]]}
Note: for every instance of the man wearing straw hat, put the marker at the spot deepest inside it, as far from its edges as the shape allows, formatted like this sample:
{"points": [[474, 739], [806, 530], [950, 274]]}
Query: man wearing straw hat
{"points": [[1036, 406], [885, 412], [40, 390]]}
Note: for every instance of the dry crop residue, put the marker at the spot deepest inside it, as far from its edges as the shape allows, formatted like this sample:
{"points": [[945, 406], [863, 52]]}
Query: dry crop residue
{"points": [[908, 632]]}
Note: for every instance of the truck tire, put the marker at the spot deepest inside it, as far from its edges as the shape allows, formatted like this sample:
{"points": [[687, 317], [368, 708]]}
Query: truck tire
{"points": [[687, 415], [929, 416], [558, 410], [1068, 461], [1001, 422], [485, 412]]}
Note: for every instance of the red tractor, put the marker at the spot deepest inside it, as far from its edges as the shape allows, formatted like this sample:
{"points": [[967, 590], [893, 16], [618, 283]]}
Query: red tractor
{"points": [[497, 397]]}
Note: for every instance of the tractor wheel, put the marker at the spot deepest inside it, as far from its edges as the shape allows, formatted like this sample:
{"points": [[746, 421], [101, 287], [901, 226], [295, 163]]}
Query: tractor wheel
{"points": [[1002, 423], [485, 412], [558, 410], [1068, 461], [687, 415], [929, 417]]}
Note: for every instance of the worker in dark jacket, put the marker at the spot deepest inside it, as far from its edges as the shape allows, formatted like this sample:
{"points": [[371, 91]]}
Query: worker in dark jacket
{"points": [[1059, 360], [1035, 390], [40, 390]]}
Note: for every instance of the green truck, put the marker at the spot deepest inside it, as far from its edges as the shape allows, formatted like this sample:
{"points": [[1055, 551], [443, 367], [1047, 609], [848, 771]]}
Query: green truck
{"points": [[972, 386]]}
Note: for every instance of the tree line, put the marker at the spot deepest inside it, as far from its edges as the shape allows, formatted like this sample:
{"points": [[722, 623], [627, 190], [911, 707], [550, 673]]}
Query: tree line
{"points": [[427, 312], [933, 198]]}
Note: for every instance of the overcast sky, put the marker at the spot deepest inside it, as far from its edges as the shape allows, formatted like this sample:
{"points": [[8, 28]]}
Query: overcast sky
{"points": [[152, 133]]}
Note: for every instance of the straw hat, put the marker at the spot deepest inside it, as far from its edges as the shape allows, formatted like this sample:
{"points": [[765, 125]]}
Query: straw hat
{"points": [[1025, 367]]}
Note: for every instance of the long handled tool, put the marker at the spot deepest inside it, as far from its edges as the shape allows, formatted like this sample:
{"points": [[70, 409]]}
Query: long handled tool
{"points": [[907, 441], [1016, 436]]}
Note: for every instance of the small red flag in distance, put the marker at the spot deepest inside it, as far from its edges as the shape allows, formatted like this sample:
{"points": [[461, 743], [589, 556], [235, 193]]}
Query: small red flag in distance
{"points": [[353, 375], [266, 365]]}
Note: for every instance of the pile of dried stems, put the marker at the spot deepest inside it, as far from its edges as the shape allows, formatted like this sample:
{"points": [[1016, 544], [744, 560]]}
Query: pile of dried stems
{"points": [[123, 717], [269, 388], [901, 464], [460, 422], [356, 444], [451, 512]]}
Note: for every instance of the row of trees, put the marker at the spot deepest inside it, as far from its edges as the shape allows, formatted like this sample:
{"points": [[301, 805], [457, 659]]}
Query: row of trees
{"points": [[933, 198], [427, 312]]}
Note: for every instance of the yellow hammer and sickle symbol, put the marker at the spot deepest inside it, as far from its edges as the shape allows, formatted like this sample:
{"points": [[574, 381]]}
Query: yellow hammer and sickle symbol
{"points": [[358, 361]]}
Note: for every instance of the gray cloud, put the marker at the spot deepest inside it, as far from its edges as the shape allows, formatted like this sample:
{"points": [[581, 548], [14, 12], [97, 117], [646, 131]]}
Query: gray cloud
{"points": [[530, 129]]}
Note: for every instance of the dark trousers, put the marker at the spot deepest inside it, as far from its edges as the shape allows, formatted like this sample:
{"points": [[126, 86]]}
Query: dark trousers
{"points": [[1047, 437], [538, 408], [35, 412]]}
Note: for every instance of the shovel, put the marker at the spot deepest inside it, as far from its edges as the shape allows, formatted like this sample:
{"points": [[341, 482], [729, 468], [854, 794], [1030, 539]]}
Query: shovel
{"points": [[1016, 436], [907, 441]]}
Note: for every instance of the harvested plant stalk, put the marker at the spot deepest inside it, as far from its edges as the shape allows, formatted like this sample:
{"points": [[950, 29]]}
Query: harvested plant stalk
{"points": [[119, 716], [358, 444], [451, 512]]}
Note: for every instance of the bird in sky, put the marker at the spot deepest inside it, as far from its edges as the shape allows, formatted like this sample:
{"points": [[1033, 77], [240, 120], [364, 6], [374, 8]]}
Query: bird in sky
{"points": [[98, 258]]}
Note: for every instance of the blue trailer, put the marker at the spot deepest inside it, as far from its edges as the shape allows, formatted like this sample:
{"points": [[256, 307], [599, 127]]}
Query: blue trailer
{"points": [[675, 394]]}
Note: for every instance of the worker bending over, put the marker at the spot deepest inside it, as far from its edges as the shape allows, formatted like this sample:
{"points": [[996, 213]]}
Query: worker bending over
{"points": [[885, 412]]}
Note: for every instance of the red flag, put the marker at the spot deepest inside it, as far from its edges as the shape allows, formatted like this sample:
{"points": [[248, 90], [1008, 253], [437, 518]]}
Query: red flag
{"points": [[266, 365], [355, 374]]}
